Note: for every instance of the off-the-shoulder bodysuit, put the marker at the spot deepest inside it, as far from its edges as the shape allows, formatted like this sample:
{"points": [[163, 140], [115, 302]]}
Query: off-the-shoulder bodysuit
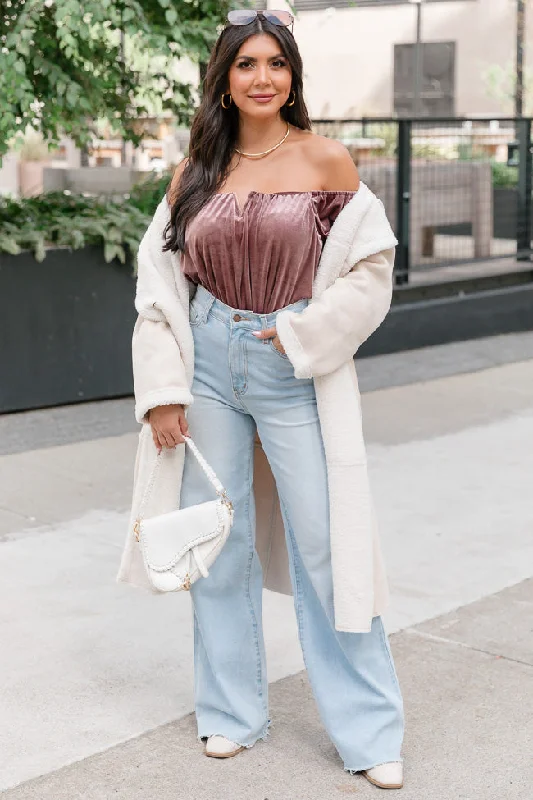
{"points": [[264, 256]]}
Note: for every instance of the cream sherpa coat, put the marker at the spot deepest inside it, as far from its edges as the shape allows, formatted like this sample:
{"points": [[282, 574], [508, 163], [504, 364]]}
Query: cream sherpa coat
{"points": [[351, 295]]}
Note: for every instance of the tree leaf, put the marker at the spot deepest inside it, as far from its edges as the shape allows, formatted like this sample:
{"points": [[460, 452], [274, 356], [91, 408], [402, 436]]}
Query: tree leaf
{"points": [[109, 251], [54, 46], [8, 245], [39, 250], [171, 16]]}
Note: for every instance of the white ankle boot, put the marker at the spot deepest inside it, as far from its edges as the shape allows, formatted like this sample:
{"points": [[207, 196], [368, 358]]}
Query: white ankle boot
{"points": [[386, 776], [220, 747]]}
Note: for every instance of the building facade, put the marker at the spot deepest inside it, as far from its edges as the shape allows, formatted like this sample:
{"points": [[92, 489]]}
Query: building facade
{"points": [[359, 56]]}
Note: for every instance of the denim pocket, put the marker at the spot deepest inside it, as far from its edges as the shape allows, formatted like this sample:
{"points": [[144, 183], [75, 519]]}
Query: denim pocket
{"points": [[275, 349]]}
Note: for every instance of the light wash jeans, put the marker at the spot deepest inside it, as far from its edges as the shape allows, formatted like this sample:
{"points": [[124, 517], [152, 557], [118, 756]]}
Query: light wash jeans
{"points": [[241, 382]]}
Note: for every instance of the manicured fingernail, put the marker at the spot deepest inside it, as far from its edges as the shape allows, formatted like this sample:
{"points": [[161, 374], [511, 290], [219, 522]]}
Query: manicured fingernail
{"points": [[256, 333]]}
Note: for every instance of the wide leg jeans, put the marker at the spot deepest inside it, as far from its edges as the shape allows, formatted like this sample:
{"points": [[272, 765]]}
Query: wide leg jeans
{"points": [[243, 384]]}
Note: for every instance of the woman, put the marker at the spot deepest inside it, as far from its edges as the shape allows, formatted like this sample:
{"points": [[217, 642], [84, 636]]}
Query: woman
{"points": [[263, 270]]}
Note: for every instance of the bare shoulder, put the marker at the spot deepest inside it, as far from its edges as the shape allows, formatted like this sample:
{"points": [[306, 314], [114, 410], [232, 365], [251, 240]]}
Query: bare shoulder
{"points": [[334, 163], [173, 187]]}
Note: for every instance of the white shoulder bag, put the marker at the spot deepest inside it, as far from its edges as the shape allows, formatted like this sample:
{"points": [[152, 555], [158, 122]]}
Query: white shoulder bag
{"points": [[180, 546]]}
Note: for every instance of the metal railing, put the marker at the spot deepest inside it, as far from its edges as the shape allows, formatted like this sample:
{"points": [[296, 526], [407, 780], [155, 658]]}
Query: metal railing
{"points": [[457, 191]]}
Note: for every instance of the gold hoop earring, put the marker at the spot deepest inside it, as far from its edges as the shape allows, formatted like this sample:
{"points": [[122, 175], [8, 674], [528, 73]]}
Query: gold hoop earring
{"points": [[222, 100], [293, 99]]}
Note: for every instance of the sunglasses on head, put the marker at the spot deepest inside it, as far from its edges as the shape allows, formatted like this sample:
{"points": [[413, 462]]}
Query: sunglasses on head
{"points": [[244, 16]]}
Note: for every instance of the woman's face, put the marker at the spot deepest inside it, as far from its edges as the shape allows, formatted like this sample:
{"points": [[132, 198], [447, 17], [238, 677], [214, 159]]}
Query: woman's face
{"points": [[260, 76]]}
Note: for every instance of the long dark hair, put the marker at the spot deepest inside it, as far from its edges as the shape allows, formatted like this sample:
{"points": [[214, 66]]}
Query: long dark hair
{"points": [[214, 130]]}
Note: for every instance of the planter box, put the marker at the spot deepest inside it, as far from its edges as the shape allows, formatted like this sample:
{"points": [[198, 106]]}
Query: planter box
{"points": [[94, 180], [505, 213], [9, 174], [31, 177], [66, 326], [443, 193]]}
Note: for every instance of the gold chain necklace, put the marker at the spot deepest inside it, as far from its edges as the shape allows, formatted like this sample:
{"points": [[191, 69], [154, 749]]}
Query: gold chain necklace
{"points": [[266, 152]]}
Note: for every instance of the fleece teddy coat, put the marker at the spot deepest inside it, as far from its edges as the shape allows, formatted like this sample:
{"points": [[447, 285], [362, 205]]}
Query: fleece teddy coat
{"points": [[351, 296]]}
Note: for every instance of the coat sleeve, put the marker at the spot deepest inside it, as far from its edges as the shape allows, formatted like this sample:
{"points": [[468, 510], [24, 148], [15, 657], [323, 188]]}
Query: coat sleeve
{"points": [[158, 370], [331, 329]]}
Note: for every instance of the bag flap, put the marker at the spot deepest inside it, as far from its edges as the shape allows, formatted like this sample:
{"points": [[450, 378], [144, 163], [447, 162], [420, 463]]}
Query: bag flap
{"points": [[166, 538]]}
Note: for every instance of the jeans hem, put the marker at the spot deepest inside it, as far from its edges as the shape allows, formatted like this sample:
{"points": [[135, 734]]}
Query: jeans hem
{"points": [[263, 736], [353, 771]]}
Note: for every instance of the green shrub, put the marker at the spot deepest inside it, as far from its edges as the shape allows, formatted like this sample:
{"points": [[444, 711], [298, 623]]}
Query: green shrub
{"points": [[146, 195], [504, 176], [62, 219]]}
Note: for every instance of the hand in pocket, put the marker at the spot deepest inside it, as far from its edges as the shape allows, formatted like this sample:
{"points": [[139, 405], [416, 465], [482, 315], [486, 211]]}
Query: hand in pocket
{"points": [[271, 333]]}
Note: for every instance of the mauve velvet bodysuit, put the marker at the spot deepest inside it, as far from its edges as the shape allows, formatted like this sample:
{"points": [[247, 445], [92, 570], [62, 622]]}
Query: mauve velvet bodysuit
{"points": [[264, 256]]}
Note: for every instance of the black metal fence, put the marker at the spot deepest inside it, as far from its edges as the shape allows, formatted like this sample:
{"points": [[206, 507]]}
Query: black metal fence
{"points": [[457, 191]]}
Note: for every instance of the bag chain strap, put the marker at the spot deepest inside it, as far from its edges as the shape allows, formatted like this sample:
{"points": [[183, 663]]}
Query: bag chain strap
{"points": [[209, 471]]}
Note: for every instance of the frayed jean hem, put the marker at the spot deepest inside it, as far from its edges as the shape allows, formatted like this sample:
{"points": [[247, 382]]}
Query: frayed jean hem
{"points": [[353, 771], [263, 736]]}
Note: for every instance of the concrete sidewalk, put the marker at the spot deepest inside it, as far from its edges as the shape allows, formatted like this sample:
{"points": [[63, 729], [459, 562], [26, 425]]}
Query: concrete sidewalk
{"points": [[91, 667], [467, 679]]}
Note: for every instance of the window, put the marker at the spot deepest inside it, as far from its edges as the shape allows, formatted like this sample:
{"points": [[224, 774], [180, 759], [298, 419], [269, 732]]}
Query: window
{"points": [[437, 84]]}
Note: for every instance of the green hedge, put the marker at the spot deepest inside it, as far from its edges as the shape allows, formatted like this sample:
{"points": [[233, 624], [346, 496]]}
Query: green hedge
{"points": [[62, 219], [504, 176]]}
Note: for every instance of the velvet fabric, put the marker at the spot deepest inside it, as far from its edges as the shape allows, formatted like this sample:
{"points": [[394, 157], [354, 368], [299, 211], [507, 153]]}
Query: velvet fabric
{"points": [[264, 256]]}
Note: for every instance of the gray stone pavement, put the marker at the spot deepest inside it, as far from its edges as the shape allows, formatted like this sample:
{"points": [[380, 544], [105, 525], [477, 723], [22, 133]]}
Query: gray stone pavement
{"points": [[97, 678], [467, 679]]}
